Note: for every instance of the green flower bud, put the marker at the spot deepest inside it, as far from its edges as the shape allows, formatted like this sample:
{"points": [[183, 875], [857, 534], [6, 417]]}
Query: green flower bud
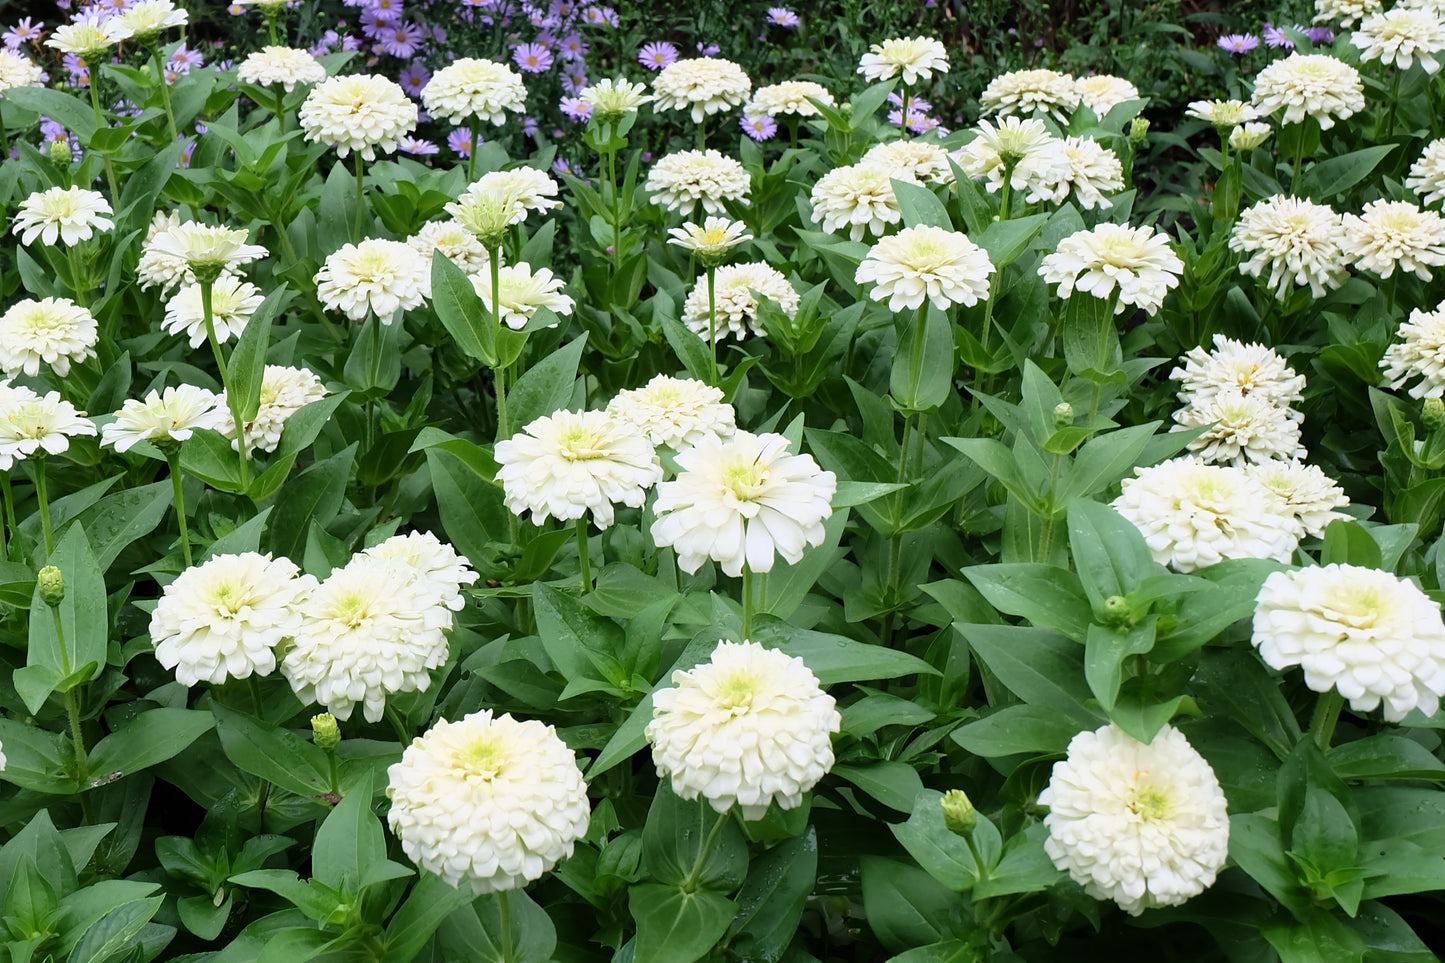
{"points": [[1433, 413], [958, 813], [1117, 609], [325, 732], [60, 152], [52, 585], [1063, 415], [1138, 130]]}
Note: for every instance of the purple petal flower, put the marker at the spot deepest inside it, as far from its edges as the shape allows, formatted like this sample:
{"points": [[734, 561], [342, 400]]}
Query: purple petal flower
{"points": [[782, 17], [1238, 43], [708, 50], [459, 142], [1275, 37], [759, 128], [415, 145], [1320, 35], [414, 77], [655, 56], [576, 108], [532, 57]]}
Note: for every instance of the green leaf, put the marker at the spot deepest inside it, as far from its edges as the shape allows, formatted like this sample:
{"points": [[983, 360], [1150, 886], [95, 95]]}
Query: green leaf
{"points": [[836, 658], [430, 902], [674, 926], [83, 614], [115, 931], [461, 310], [1385, 756], [247, 366], [690, 349], [1336, 175], [1005, 241], [150, 738], [772, 899], [117, 520], [300, 431], [894, 784], [1320, 938], [73, 112], [350, 843], [1049, 597], [1024, 868], [547, 387], [924, 382], [1109, 551], [920, 206], [1016, 730], [577, 640], [475, 935], [1347, 543], [675, 834], [907, 907], [1091, 340], [315, 493], [1254, 845], [472, 509], [1105, 650], [944, 854], [1041, 667], [274, 754]]}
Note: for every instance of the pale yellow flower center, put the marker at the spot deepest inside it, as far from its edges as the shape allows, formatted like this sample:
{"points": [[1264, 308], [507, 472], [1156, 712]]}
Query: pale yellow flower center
{"points": [[351, 608], [1357, 606], [482, 758], [579, 443], [735, 691], [230, 599], [1149, 801], [747, 480]]}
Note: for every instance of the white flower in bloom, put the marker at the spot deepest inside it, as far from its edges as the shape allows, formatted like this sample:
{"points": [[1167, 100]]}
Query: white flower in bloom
{"points": [[859, 198], [381, 276], [18, 70], [1250, 369], [675, 412], [712, 237], [1094, 170], [284, 391], [1134, 260], [170, 254], [921, 262], [910, 160], [1244, 428], [615, 97], [1419, 353], [916, 58], [31, 423], [280, 65], [56, 331], [1401, 36], [145, 20], [736, 308], [702, 85], [1364, 632], [1427, 175], [750, 727], [473, 87], [1144, 825], [360, 112], [170, 416], [1306, 490], [370, 630], [1309, 85], [1038, 157], [1345, 11], [570, 463], [1222, 113], [67, 214], [432, 563], [452, 238], [742, 502], [790, 97], [1388, 234], [522, 293], [88, 36], [524, 188], [1193, 515], [1249, 136], [487, 803], [683, 179], [1030, 92], [1101, 93], [224, 618], [233, 301], [1297, 241]]}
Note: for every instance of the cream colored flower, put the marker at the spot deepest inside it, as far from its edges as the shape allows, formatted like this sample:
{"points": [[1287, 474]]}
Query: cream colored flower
{"points": [[523, 188], [915, 58], [473, 87], [56, 331], [522, 293], [1242, 428], [432, 563], [377, 275], [1427, 175], [910, 160], [1310, 494], [711, 239], [67, 214], [1347, 12], [362, 113], [1030, 93], [452, 238], [1136, 262], [1419, 353], [284, 391], [87, 37], [1094, 170], [31, 423], [1249, 136], [146, 20], [790, 97], [675, 412], [280, 65], [926, 262], [171, 256], [1222, 113], [1233, 366], [1101, 93], [614, 98], [702, 85], [750, 727], [233, 301], [1388, 234], [1037, 158], [736, 308], [1310, 85], [1400, 36], [860, 198], [172, 416], [681, 180], [18, 70], [1297, 241]]}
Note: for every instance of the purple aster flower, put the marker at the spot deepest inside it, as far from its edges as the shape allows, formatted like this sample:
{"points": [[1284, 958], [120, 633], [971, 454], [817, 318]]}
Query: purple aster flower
{"points": [[79, 72], [708, 50], [561, 166], [415, 145], [655, 56], [916, 104], [375, 23], [574, 78], [782, 17], [1238, 43], [1275, 37], [575, 108], [529, 126], [532, 57], [1320, 35], [235, 10], [563, 10], [439, 35], [573, 47], [182, 61], [759, 128], [598, 16], [459, 142], [22, 33], [403, 39], [391, 8], [414, 77]]}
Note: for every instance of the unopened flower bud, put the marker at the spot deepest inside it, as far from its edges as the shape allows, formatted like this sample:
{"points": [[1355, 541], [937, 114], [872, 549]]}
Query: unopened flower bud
{"points": [[60, 152], [52, 585], [1063, 415], [958, 813], [1433, 413], [1117, 608], [325, 732], [1138, 130]]}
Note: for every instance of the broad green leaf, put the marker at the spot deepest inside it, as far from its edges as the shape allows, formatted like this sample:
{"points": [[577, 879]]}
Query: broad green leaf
{"points": [[674, 926], [1109, 551], [547, 387], [920, 206], [274, 754], [772, 899], [350, 842], [894, 784], [83, 619], [1333, 176], [1049, 597], [1105, 650], [1018, 730], [1024, 867], [944, 854], [248, 359], [921, 377], [906, 907], [430, 902], [150, 738], [316, 494], [674, 837], [1041, 667], [836, 658], [461, 310], [475, 935]]}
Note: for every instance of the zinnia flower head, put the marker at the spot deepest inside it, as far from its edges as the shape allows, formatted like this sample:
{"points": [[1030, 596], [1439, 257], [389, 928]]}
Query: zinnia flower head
{"points": [[1242, 428], [711, 240], [56, 331], [18, 70], [735, 306], [377, 275], [1310, 494], [146, 20], [1101, 93], [284, 391], [750, 727], [474, 87], [675, 412], [1400, 36], [1024, 145], [233, 301], [743, 501], [224, 618], [67, 214], [1310, 85], [1427, 175], [176, 254], [31, 423], [452, 238], [1142, 824], [1030, 93], [702, 85], [523, 189], [280, 65], [1222, 113], [790, 97], [926, 262], [87, 37], [522, 293], [910, 160], [432, 563], [859, 197], [361, 112], [1233, 366], [1419, 353], [915, 58], [571, 463], [168, 417], [1297, 241], [1249, 136], [613, 98], [1347, 12], [1094, 170], [1136, 262], [681, 180], [1364, 632], [1388, 234], [487, 803]]}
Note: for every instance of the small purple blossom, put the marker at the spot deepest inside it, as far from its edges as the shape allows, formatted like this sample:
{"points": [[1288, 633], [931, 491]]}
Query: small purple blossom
{"points": [[573, 47], [1238, 43], [530, 127], [403, 39], [375, 23], [414, 77], [708, 50], [576, 108], [1275, 37], [782, 17], [574, 78], [22, 33], [79, 72], [1320, 35], [459, 142], [561, 166], [598, 16], [181, 63], [759, 128], [655, 56], [415, 145], [532, 57]]}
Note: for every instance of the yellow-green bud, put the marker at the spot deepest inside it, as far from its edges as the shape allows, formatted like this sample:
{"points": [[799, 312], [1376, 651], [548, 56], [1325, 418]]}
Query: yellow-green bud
{"points": [[958, 813], [60, 152], [1433, 413], [52, 585], [207, 271], [325, 732], [1138, 130], [1063, 415]]}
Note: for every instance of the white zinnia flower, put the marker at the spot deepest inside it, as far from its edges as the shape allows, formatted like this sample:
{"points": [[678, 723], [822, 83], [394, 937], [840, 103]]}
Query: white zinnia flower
{"points": [[1361, 631], [56, 331], [1094, 170], [1388, 234], [1249, 136], [1297, 241], [172, 416], [790, 97], [1346, 11], [377, 275], [1400, 36], [287, 66], [361, 113], [31, 423], [681, 180], [1101, 93], [1251, 369], [735, 306], [18, 70], [615, 97], [67, 214], [224, 618], [1038, 157], [675, 412], [1222, 113], [1136, 262], [858, 197], [1243, 428], [916, 58], [459, 245], [921, 262], [910, 160], [1306, 490], [710, 239], [1144, 825], [1419, 352], [702, 85], [1193, 515], [1030, 92], [1427, 175], [145, 20], [1310, 85], [750, 727], [432, 563], [284, 391], [742, 502], [524, 188], [473, 87], [233, 301], [370, 630], [87, 37], [570, 463], [487, 803], [522, 293], [169, 256]]}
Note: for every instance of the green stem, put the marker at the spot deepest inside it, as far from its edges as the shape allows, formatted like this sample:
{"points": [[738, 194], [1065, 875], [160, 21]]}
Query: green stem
{"points": [[398, 726], [77, 283], [712, 323], [1299, 159], [232, 401], [1006, 192], [360, 199], [44, 500], [101, 122], [702, 136], [173, 459], [271, 28], [8, 497], [689, 885], [253, 686], [747, 602], [616, 209], [72, 710], [476, 125], [903, 116], [1327, 713], [280, 92], [504, 911], [582, 555], [165, 93]]}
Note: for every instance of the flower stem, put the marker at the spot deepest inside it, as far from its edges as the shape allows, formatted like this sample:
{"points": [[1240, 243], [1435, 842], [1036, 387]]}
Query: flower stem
{"points": [[747, 602], [360, 199], [1299, 159], [101, 122], [280, 92], [44, 500], [398, 726], [504, 912], [582, 556], [173, 459], [689, 885], [165, 92], [8, 497], [476, 125], [616, 208], [232, 402], [712, 323], [77, 284], [72, 710], [1327, 713], [903, 115]]}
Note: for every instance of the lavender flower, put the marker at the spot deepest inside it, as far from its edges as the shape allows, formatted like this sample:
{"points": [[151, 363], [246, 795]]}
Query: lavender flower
{"points": [[1319, 35], [459, 142], [22, 33], [708, 50], [413, 78], [759, 128], [782, 17], [576, 108], [532, 57], [1239, 43], [655, 56], [573, 47], [1275, 37], [403, 39], [415, 145]]}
